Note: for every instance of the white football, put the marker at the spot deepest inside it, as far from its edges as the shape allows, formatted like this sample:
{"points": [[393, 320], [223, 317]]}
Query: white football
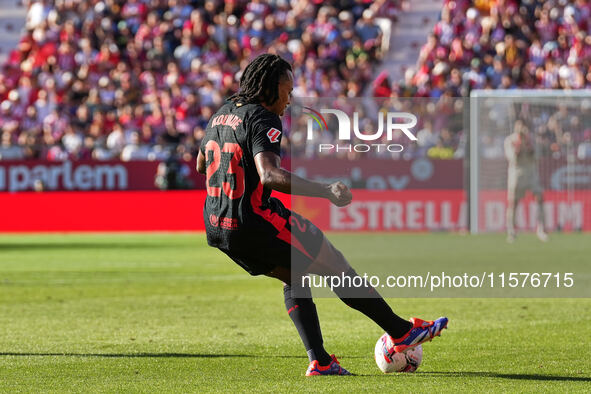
{"points": [[389, 361]]}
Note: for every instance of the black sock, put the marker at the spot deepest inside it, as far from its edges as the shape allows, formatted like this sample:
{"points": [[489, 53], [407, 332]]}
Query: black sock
{"points": [[302, 312], [368, 301]]}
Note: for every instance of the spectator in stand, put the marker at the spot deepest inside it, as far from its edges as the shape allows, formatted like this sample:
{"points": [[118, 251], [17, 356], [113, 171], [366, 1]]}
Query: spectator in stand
{"points": [[134, 150], [8, 150], [426, 137], [440, 151]]}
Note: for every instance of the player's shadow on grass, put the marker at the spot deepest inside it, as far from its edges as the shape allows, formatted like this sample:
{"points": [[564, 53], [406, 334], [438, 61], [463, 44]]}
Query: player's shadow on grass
{"points": [[147, 355], [7, 247], [516, 376], [127, 355]]}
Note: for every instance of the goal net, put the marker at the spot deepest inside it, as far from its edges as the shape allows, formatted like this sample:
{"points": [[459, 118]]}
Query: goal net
{"points": [[546, 136]]}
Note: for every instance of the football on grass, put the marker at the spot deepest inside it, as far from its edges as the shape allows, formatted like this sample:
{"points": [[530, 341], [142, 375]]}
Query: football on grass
{"points": [[390, 361]]}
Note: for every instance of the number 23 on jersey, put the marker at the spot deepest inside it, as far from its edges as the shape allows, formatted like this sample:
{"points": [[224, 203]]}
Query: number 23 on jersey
{"points": [[214, 157]]}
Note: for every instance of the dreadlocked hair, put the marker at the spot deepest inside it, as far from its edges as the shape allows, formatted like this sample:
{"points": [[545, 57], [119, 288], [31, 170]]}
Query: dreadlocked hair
{"points": [[260, 79]]}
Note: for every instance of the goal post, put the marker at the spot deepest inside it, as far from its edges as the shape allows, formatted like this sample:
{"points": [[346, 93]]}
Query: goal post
{"points": [[555, 127]]}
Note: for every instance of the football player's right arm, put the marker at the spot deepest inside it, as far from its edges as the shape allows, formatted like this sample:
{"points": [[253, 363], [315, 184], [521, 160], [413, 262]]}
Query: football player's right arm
{"points": [[265, 142], [274, 177]]}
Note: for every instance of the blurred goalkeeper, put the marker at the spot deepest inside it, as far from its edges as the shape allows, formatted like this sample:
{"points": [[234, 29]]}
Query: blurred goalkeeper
{"points": [[240, 156], [522, 176]]}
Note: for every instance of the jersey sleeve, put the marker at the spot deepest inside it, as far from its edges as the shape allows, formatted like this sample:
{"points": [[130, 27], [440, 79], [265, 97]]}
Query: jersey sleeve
{"points": [[266, 135]]}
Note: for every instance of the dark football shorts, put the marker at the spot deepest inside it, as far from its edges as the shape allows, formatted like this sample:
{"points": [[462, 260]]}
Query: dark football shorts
{"points": [[294, 245]]}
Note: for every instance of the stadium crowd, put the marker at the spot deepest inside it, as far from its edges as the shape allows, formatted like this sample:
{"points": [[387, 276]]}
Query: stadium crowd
{"points": [[496, 44], [507, 44], [114, 79]]}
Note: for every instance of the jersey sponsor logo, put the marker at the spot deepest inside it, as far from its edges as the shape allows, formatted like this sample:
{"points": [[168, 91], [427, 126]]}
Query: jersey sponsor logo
{"points": [[273, 134], [226, 120]]}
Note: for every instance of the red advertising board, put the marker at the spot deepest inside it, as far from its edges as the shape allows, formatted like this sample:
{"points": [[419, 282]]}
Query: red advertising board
{"points": [[85, 175], [409, 210], [563, 210], [555, 174], [381, 174], [140, 175], [102, 211], [371, 174], [444, 210]]}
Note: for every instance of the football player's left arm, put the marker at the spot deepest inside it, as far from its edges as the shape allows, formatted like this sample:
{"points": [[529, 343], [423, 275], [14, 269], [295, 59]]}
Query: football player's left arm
{"points": [[200, 162]]}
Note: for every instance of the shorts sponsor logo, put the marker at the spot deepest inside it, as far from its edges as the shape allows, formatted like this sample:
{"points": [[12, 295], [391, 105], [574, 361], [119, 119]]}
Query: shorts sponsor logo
{"points": [[225, 223]]}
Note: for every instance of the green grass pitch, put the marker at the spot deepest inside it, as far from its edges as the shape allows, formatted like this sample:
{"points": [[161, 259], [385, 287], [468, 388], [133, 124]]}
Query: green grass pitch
{"points": [[166, 313]]}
